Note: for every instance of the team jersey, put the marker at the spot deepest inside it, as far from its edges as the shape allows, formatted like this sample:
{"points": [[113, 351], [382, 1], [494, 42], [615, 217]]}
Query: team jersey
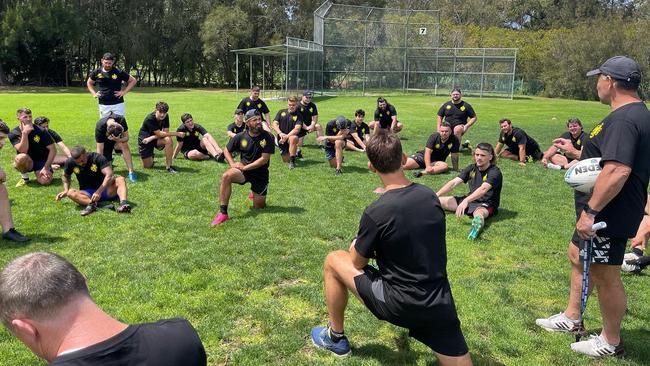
{"points": [[362, 129], [101, 129], [307, 112], [109, 82], [517, 137], [456, 114], [151, 125], [90, 176], [236, 129], [287, 121], [441, 150], [385, 116], [475, 178], [251, 148], [192, 139], [247, 104], [39, 140], [576, 142]]}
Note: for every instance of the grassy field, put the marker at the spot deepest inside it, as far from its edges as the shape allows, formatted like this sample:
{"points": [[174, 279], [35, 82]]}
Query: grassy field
{"points": [[253, 287]]}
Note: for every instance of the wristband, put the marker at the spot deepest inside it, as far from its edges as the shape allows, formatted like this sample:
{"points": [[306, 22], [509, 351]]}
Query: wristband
{"points": [[590, 211]]}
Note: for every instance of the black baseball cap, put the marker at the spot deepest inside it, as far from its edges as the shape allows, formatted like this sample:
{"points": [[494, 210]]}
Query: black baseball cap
{"points": [[108, 56], [308, 93], [252, 113], [620, 68], [342, 123], [239, 111]]}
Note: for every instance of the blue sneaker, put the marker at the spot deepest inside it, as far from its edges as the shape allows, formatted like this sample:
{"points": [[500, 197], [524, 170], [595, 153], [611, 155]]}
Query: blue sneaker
{"points": [[132, 177], [320, 338], [477, 224]]}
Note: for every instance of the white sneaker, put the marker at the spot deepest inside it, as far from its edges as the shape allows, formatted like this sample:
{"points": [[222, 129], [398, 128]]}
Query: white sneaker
{"points": [[596, 346], [631, 266], [631, 256], [560, 323], [553, 166]]}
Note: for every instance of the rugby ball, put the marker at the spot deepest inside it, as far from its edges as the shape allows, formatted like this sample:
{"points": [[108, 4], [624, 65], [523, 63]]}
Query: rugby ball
{"points": [[582, 176]]}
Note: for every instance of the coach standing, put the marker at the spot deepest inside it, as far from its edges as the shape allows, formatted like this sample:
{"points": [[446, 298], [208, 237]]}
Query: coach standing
{"points": [[622, 141], [109, 79]]}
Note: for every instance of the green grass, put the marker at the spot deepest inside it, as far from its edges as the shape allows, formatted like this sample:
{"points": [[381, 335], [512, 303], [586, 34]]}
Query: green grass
{"points": [[253, 287]]}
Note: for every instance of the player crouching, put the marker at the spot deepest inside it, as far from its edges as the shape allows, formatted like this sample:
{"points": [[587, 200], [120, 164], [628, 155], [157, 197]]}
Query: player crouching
{"points": [[335, 133], [96, 182]]}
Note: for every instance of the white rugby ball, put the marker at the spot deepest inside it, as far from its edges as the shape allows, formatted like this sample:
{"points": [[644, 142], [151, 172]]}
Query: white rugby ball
{"points": [[582, 176]]}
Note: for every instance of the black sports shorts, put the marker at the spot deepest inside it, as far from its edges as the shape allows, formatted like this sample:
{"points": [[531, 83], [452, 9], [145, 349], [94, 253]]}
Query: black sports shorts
{"points": [[259, 181]]}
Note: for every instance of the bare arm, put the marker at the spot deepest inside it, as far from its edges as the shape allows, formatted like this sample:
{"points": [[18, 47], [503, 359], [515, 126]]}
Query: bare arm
{"points": [[470, 123], [64, 148], [90, 84], [497, 149], [129, 85], [108, 177], [438, 122], [449, 186], [454, 160], [66, 187], [177, 149], [259, 162], [522, 154], [358, 261]]}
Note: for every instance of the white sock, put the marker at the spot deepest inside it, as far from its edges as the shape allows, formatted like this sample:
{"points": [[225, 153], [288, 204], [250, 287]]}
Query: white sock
{"points": [[25, 176]]}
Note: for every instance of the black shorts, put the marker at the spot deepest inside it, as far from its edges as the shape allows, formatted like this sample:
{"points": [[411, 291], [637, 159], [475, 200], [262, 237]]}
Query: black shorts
{"points": [[200, 149], [259, 181], [444, 336], [146, 150], [385, 124], [604, 250], [304, 132], [472, 206], [419, 158], [535, 155], [109, 146], [453, 124]]}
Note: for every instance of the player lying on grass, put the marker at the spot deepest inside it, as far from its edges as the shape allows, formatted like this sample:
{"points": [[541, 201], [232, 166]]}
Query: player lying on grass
{"points": [[485, 181], [555, 158], [196, 143], [404, 231], [432, 159], [96, 182], [6, 221]]}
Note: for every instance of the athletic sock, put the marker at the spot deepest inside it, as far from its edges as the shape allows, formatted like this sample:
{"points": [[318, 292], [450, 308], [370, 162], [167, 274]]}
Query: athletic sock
{"points": [[335, 336], [25, 176], [223, 209]]}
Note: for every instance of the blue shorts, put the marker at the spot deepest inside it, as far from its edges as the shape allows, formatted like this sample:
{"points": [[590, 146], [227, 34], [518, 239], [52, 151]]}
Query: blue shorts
{"points": [[330, 152], [103, 197]]}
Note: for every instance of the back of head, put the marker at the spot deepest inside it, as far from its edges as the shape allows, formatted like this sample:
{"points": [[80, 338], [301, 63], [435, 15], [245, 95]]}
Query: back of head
{"points": [[3, 127], [37, 285], [384, 151], [115, 130]]}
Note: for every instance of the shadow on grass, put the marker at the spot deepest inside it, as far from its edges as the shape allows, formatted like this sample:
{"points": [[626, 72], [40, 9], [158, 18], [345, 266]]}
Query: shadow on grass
{"points": [[35, 238], [387, 356], [504, 214], [273, 209]]}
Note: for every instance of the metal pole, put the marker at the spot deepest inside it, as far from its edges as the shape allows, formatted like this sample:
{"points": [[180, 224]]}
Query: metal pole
{"points": [[405, 52], [263, 74], [237, 74], [250, 70], [286, 75], [512, 84], [482, 73]]}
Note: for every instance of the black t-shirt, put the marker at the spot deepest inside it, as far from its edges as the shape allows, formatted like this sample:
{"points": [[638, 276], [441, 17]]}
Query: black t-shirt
{"points": [[331, 129], [576, 142], [405, 231], [492, 175], [192, 139], [55, 136], [234, 129], [247, 104], [39, 140], [109, 82], [361, 129], [623, 136], [287, 121], [385, 117], [251, 148], [518, 137], [456, 113], [89, 176], [440, 150], [151, 125], [307, 112], [172, 342], [101, 129]]}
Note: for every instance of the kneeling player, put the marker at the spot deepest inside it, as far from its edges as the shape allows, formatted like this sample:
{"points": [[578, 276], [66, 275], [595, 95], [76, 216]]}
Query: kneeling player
{"points": [[196, 143], [287, 125], [255, 147], [385, 117], [359, 133], [35, 149], [404, 230], [519, 146], [96, 182], [44, 123], [336, 131], [432, 159], [485, 181], [6, 221], [154, 134]]}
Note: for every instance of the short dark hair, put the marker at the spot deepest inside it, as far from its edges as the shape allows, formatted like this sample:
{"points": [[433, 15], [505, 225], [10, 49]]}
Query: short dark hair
{"points": [[162, 107], [37, 285], [632, 85], [40, 120], [360, 113], [108, 56], [505, 120], [77, 151], [115, 130], [384, 151], [381, 100], [574, 120], [485, 146], [3, 127], [292, 99], [185, 117], [255, 88], [445, 124], [456, 89], [24, 110]]}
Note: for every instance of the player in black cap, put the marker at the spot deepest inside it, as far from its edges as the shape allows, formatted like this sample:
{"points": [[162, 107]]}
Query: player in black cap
{"points": [[109, 79]]}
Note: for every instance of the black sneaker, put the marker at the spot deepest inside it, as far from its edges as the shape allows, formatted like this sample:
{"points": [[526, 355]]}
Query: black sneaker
{"points": [[13, 235], [89, 209], [220, 158], [172, 170], [417, 173], [299, 155], [338, 172]]}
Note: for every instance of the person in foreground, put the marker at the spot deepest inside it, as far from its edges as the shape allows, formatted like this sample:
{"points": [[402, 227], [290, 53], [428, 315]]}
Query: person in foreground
{"points": [[45, 303], [485, 182], [622, 141], [7, 223], [404, 230]]}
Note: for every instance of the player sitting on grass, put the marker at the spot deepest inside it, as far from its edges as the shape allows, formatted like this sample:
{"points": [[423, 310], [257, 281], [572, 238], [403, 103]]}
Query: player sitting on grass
{"points": [[432, 159], [96, 182], [237, 125], [336, 131], [44, 123], [359, 132], [555, 158], [404, 230], [255, 147], [519, 146], [35, 149], [287, 125], [46, 304], [8, 230], [112, 133], [485, 181], [196, 143]]}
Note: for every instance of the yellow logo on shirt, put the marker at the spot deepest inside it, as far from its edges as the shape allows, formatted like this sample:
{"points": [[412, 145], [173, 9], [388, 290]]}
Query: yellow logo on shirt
{"points": [[448, 107], [380, 115], [596, 130], [187, 133], [295, 118], [248, 104], [262, 143], [283, 114], [100, 76], [311, 110], [388, 113], [472, 174], [514, 139], [462, 109], [449, 146], [485, 178], [302, 109], [76, 170], [244, 143], [437, 146], [114, 77], [196, 133], [578, 142], [37, 139], [93, 168], [259, 105]]}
